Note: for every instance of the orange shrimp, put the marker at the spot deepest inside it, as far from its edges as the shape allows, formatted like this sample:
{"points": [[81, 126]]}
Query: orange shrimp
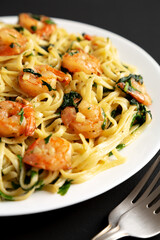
{"points": [[16, 118], [11, 42], [138, 91], [79, 61], [90, 125], [41, 79], [41, 25], [87, 37], [51, 154]]}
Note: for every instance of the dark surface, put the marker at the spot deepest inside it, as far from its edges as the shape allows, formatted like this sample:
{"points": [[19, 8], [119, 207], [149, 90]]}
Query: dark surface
{"points": [[138, 21]]}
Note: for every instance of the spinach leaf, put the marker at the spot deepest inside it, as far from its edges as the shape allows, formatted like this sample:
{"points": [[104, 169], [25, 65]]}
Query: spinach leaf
{"points": [[64, 188], [48, 86], [137, 78], [119, 147], [29, 70], [140, 115], [35, 16], [49, 21], [5, 196], [71, 99], [33, 28], [71, 53], [19, 28], [47, 139], [21, 114]]}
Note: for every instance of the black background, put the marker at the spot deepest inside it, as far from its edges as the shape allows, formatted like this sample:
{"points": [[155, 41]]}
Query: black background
{"points": [[138, 21]]}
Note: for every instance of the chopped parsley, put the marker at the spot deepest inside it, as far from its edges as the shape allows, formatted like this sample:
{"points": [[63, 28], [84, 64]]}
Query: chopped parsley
{"points": [[105, 90], [119, 147], [11, 45], [29, 70], [15, 185], [49, 21], [46, 48], [71, 53], [140, 116], [21, 114], [137, 78], [5, 196], [33, 173], [47, 139], [35, 16], [71, 99], [78, 39], [12, 36], [48, 86], [19, 28], [64, 188], [31, 54], [34, 28]]}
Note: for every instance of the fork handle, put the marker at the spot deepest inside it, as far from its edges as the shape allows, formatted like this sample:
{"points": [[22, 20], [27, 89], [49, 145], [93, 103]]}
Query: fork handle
{"points": [[113, 234]]}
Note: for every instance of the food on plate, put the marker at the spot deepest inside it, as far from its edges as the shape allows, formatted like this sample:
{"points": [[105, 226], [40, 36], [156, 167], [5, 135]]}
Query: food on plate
{"points": [[68, 105]]}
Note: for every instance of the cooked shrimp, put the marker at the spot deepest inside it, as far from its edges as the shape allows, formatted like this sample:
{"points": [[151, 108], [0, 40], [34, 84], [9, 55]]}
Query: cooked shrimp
{"points": [[87, 37], [11, 42], [51, 154], [137, 91], [87, 121], [16, 118], [41, 79], [78, 60], [41, 25]]}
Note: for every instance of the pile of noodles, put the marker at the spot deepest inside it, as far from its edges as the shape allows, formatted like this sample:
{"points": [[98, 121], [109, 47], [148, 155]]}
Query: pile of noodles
{"points": [[90, 156]]}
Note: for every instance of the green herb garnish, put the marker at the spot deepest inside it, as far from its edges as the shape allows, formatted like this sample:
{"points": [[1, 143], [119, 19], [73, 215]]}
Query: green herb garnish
{"points": [[64, 188], [137, 78], [11, 45], [35, 16], [78, 39], [140, 116], [31, 54], [12, 36], [15, 185], [5, 196], [19, 28], [71, 99], [119, 147], [33, 173], [49, 21], [40, 183], [21, 114], [29, 70], [71, 53], [48, 86], [105, 90], [47, 139], [34, 28]]}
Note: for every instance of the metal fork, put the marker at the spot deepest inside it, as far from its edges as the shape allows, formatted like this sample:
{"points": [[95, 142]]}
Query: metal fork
{"points": [[132, 199], [141, 221]]}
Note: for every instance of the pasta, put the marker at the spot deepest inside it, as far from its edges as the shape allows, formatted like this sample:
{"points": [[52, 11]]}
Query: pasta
{"points": [[68, 104]]}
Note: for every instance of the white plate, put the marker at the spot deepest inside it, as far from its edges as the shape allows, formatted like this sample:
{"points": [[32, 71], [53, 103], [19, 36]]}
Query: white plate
{"points": [[138, 153]]}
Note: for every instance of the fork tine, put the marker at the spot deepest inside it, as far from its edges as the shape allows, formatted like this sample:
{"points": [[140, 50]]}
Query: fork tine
{"points": [[152, 197], [143, 181], [150, 187], [155, 206]]}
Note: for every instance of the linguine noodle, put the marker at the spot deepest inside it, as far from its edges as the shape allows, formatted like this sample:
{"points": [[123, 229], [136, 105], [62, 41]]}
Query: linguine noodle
{"points": [[123, 118]]}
